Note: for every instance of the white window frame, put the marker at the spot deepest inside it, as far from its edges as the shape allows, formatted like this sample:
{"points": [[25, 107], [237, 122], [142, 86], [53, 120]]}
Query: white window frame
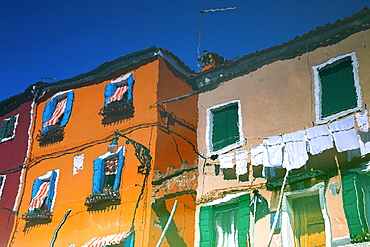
{"points": [[122, 79], [2, 185], [15, 127], [318, 92], [287, 214], [209, 129], [61, 95]]}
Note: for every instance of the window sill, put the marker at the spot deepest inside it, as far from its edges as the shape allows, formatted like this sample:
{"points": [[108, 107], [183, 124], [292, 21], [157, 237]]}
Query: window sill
{"points": [[117, 108], [99, 197], [336, 116], [54, 133], [225, 149], [45, 215]]}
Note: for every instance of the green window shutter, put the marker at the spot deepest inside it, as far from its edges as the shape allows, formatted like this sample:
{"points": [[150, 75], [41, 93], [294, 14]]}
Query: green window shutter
{"points": [[225, 129], [244, 218], [4, 127], [206, 227], [353, 204], [10, 127], [338, 88]]}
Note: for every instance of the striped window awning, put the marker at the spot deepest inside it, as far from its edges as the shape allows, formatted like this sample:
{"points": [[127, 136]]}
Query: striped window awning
{"points": [[107, 240], [118, 94], [58, 112], [40, 196], [111, 166]]}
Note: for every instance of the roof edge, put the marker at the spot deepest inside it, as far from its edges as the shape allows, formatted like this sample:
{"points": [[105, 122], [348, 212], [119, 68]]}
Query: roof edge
{"points": [[321, 36], [110, 67]]}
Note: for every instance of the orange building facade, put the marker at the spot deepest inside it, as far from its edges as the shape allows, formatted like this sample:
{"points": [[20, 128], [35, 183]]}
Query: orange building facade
{"points": [[96, 140]]}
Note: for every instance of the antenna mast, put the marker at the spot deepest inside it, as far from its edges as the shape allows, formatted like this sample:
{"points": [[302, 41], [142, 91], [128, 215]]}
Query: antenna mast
{"points": [[200, 27]]}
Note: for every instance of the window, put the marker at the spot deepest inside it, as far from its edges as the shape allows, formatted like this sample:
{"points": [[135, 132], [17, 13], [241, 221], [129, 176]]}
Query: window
{"points": [[107, 172], [43, 192], [58, 110], [337, 88], [2, 182], [118, 97], [224, 127], [119, 90], [356, 202], [7, 130], [225, 224]]}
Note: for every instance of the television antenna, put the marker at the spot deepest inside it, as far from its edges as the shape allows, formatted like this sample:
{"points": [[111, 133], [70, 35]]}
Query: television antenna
{"points": [[200, 26]]}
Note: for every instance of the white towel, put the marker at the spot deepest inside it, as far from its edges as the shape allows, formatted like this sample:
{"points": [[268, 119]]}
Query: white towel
{"points": [[295, 153], [362, 121], [257, 155], [241, 162], [226, 160], [273, 154], [319, 139], [344, 134]]}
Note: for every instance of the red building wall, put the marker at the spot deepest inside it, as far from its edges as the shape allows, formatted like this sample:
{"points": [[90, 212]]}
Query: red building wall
{"points": [[12, 156]]}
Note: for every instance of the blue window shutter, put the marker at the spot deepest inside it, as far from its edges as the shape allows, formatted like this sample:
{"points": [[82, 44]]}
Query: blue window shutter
{"points": [[121, 162], [244, 218], [68, 110], [278, 223], [48, 112], [109, 91], [51, 192], [129, 241], [98, 178], [130, 81], [35, 187]]}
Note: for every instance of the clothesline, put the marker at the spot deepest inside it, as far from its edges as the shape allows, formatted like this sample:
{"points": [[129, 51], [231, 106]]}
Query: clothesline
{"points": [[290, 151]]}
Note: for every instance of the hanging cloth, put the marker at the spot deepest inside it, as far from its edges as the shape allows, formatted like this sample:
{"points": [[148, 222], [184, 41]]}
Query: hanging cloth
{"points": [[241, 162], [273, 153], [226, 160], [319, 139], [295, 153], [344, 134], [39, 198], [118, 94], [257, 155], [362, 121], [58, 112], [111, 166]]}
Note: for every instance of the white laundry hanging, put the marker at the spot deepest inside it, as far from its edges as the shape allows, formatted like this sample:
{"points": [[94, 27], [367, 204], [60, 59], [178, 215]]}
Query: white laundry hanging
{"points": [[344, 134], [241, 162], [362, 121], [226, 160], [273, 154], [319, 139], [257, 155], [295, 153]]}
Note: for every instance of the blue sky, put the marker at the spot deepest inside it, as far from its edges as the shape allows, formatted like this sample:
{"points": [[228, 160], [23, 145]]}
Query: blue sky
{"points": [[62, 39]]}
